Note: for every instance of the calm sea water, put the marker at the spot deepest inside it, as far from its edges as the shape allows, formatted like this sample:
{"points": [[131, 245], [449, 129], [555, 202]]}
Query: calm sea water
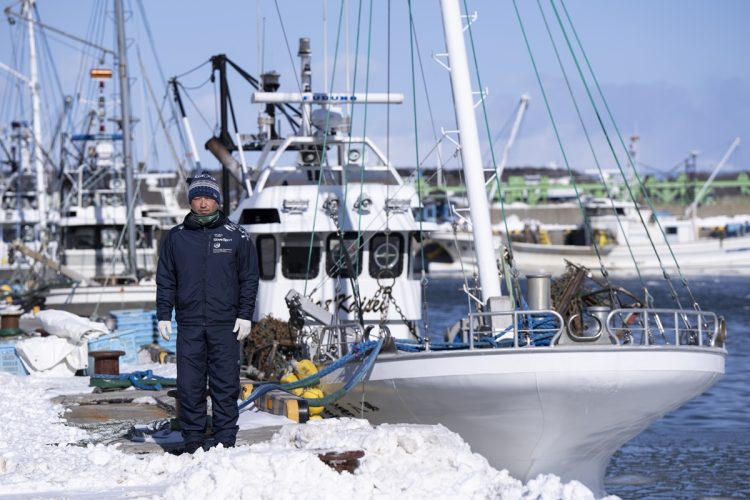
{"points": [[699, 451]]}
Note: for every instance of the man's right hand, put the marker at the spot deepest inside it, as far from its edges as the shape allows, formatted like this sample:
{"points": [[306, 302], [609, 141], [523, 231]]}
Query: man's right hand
{"points": [[165, 329]]}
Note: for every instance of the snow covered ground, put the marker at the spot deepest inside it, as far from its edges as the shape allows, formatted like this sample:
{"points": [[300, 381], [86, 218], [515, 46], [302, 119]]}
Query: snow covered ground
{"points": [[38, 460]]}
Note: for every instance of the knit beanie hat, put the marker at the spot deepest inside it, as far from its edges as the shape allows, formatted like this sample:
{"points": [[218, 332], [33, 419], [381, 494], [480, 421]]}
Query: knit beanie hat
{"points": [[204, 185]]}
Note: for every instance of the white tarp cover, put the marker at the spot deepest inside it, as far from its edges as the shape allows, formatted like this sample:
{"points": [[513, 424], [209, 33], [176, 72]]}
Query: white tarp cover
{"points": [[52, 355], [66, 349], [69, 326]]}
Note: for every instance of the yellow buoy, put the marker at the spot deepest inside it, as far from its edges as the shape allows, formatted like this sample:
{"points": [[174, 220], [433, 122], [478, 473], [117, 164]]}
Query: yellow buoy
{"points": [[245, 391], [314, 393], [304, 368], [288, 379]]}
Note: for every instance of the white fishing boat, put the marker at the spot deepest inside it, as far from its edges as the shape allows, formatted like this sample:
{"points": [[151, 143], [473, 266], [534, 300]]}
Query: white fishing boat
{"points": [[330, 215], [563, 408], [19, 209], [524, 386], [108, 233], [23, 188], [622, 237]]}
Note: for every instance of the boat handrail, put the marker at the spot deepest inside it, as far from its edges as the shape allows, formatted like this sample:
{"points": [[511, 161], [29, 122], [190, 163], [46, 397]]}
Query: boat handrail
{"points": [[521, 322], [647, 326], [274, 150]]}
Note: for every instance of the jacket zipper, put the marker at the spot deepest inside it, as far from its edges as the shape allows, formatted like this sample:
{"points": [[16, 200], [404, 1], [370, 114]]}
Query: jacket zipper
{"points": [[205, 273]]}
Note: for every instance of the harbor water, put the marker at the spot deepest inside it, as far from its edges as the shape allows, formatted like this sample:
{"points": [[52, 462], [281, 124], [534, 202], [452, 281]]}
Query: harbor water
{"points": [[701, 450]]}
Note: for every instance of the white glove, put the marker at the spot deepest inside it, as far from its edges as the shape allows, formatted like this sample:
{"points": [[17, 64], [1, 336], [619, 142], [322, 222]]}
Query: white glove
{"points": [[243, 326], [165, 329]]}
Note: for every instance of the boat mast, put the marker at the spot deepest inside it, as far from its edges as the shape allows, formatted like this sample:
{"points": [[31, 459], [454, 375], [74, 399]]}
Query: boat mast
{"points": [[36, 120], [306, 72], [126, 147], [471, 156]]}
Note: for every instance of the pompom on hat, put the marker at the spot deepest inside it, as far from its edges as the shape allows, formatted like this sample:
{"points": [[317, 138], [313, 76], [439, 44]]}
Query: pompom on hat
{"points": [[204, 184]]}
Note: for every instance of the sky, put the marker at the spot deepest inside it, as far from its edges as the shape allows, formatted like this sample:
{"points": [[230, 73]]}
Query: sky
{"points": [[672, 72]]}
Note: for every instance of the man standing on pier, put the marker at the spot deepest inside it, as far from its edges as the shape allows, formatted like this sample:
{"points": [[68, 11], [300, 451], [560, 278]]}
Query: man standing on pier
{"points": [[207, 272]]}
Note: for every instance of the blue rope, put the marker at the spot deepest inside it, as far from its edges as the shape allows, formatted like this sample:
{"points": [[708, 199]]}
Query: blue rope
{"points": [[138, 379], [357, 352], [544, 322]]}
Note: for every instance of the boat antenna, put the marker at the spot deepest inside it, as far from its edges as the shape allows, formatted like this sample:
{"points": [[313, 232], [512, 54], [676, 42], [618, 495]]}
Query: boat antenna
{"points": [[126, 144]]}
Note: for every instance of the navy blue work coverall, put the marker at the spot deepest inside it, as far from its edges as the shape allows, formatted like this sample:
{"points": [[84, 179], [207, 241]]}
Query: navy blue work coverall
{"points": [[209, 275]]}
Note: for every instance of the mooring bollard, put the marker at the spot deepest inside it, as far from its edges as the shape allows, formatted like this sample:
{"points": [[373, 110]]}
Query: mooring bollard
{"points": [[341, 461], [106, 362], [10, 323]]}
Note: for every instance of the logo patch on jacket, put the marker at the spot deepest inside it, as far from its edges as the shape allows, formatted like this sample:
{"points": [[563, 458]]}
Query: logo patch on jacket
{"points": [[217, 244]]}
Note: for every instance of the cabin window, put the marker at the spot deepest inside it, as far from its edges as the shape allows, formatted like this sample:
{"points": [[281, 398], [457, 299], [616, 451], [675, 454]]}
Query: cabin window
{"points": [[266, 248], [109, 237], [386, 255], [144, 236], [336, 261], [96, 237], [602, 211], [295, 253], [80, 238], [259, 216]]}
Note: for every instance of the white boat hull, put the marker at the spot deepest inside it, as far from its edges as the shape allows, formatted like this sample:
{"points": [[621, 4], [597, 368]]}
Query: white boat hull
{"points": [[543, 410], [709, 256], [99, 300], [731, 255]]}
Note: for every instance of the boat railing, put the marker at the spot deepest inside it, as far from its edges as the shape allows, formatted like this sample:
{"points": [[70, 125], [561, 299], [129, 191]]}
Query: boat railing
{"points": [[514, 328], [679, 327], [631, 326]]}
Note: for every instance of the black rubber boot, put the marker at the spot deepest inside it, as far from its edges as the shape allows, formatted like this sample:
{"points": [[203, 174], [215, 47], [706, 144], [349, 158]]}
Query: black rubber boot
{"points": [[192, 447]]}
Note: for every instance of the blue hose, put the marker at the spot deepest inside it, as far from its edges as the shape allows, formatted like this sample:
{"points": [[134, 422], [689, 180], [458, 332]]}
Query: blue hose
{"points": [[357, 352]]}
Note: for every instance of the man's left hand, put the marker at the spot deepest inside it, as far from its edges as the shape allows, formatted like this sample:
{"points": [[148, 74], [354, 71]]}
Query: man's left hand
{"points": [[242, 327]]}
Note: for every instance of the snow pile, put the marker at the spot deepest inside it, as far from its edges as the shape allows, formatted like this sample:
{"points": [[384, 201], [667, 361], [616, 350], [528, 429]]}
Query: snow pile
{"points": [[401, 461]]}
